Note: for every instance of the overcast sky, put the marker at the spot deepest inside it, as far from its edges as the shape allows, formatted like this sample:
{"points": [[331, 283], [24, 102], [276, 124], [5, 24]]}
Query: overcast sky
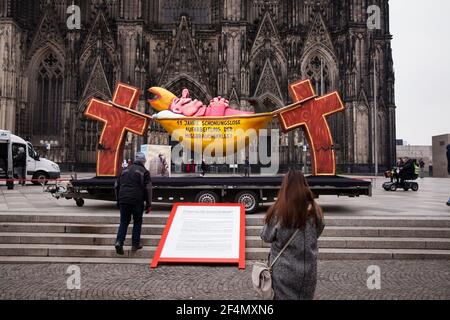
{"points": [[421, 49]]}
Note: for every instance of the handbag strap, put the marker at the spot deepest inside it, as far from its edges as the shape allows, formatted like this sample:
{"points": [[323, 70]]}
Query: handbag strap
{"points": [[284, 248]]}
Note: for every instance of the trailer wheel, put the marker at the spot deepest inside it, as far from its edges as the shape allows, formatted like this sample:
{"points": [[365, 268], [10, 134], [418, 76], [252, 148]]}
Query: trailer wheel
{"points": [[207, 197], [249, 199], [79, 202]]}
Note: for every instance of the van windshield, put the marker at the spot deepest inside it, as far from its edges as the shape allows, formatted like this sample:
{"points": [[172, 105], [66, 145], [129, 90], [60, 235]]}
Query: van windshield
{"points": [[31, 151]]}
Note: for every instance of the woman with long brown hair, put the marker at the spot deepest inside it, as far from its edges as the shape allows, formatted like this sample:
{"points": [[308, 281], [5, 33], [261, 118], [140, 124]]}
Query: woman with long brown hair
{"points": [[294, 275]]}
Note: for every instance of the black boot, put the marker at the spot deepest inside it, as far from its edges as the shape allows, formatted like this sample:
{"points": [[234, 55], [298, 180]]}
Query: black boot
{"points": [[136, 248], [119, 249]]}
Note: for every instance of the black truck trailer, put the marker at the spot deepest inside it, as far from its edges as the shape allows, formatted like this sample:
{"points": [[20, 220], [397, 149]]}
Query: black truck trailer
{"points": [[250, 191]]}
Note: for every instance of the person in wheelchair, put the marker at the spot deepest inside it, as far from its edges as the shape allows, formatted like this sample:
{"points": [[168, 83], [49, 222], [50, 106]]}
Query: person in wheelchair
{"points": [[394, 173], [407, 170]]}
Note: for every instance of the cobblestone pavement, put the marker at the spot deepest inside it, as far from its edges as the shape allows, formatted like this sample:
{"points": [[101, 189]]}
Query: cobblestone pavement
{"points": [[337, 280]]}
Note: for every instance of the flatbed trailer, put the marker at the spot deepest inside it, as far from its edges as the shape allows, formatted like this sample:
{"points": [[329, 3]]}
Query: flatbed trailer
{"points": [[251, 191]]}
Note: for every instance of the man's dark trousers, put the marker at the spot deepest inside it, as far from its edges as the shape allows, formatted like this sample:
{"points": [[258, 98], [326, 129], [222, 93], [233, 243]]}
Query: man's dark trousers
{"points": [[126, 211]]}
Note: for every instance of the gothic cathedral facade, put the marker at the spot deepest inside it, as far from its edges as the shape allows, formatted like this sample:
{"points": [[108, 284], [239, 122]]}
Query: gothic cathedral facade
{"points": [[245, 50]]}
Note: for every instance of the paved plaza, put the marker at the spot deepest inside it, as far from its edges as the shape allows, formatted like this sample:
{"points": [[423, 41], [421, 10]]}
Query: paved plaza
{"points": [[400, 279], [336, 280]]}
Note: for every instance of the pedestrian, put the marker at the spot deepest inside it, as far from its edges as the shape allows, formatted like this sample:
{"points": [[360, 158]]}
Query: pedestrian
{"points": [[19, 164], [398, 167], [247, 167], [192, 167], [294, 275], [204, 168], [133, 188], [448, 159], [422, 168]]}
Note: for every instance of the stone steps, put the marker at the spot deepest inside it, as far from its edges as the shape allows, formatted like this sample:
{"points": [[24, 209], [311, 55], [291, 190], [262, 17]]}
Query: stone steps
{"points": [[147, 229], [70, 260], [251, 220], [92, 219], [251, 241], [330, 231], [81, 252], [415, 232], [367, 254], [63, 250], [383, 254], [33, 237]]}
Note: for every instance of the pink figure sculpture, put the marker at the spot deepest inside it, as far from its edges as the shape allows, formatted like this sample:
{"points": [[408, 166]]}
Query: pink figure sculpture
{"points": [[218, 107]]}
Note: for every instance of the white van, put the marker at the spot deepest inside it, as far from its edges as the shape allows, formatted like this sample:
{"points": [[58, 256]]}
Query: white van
{"points": [[38, 169]]}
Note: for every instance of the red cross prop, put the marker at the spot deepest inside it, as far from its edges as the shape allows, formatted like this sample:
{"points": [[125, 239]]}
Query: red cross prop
{"points": [[117, 122], [310, 112]]}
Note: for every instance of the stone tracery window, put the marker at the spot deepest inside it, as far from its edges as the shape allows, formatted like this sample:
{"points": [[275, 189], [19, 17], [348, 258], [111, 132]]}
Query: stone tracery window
{"points": [[48, 111], [317, 70]]}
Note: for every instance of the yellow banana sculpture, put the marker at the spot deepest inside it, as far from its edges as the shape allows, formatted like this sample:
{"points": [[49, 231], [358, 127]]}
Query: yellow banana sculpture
{"points": [[216, 134]]}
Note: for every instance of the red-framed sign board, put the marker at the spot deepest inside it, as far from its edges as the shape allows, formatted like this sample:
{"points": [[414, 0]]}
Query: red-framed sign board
{"points": [[203, 233]]}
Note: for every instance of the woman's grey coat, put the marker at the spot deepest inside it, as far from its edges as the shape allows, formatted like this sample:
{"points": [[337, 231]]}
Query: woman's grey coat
{"points": [[294, 275]]}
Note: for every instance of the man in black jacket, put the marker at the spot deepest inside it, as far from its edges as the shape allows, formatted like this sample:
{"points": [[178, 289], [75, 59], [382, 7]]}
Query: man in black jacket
{"points": [[20, 163], [133, 188]]}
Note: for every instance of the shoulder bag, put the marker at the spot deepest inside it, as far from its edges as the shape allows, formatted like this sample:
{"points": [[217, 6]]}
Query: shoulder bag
{"points": [[262, 274]]}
